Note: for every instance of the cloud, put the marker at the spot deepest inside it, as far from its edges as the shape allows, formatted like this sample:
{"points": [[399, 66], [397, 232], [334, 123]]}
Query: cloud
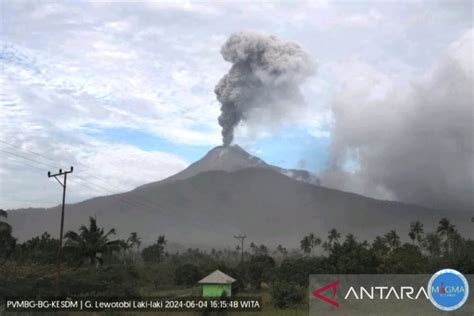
{"points": [[358, 20], [125, 167], [412, 142], [70, 69], [110, 69], [99, 169]]}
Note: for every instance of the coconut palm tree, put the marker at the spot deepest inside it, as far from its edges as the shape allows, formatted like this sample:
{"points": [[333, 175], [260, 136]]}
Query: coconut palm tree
{"points": [[134, 241], [156, 252], [392, 240], [92, 243], [333, 236], [315, 241], [416, 232], [447, 233], [444, 227], [306, 244], [432, 244], [282, 250], [309, 243], [253, 247]]}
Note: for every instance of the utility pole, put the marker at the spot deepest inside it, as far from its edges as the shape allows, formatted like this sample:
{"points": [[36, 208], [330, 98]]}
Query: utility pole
{"points": [[63, 184], [241, 238]]}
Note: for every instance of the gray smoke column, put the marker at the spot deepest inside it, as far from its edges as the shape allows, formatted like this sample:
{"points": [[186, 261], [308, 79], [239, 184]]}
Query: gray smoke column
{"points": [[266, 73], [415, 143]]}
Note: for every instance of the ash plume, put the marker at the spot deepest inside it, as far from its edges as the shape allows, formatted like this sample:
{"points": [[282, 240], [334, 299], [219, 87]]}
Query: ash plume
{"points": [[420, 147], [265, 75]]}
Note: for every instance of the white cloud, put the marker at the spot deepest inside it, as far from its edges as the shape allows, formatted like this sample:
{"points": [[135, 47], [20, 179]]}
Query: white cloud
{"points": [[70, 69], [126, 167], [359, 20], [99, 169]]}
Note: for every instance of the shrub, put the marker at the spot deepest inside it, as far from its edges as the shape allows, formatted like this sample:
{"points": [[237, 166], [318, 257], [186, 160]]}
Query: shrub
{"points": [[286, 295], [188, 275], [259, 269], [32, 281]]}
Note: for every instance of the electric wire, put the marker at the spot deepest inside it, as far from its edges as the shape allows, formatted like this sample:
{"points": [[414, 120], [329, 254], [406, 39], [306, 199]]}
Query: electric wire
{"points": [[131, 201]]}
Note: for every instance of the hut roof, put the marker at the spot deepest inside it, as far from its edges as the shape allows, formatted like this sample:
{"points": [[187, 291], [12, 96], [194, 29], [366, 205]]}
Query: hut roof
{"points": [[217, 277]]}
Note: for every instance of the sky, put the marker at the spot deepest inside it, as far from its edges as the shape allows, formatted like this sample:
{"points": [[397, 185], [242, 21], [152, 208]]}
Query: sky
{"points": [[124, 92]]}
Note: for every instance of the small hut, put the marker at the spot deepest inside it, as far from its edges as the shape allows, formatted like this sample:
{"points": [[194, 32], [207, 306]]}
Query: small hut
{"points": [[217, 284]]}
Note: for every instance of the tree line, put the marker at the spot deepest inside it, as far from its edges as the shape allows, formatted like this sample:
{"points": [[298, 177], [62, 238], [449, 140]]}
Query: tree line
{"points": [[99, 264]]}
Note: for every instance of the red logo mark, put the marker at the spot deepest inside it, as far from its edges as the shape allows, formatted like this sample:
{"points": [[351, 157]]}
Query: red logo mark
{"points": [[442, 289], [333, 285]]}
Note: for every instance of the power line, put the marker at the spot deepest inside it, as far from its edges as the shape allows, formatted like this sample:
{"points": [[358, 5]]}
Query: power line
{"points": [[45, 157], [42, 163], [31, 166], [48, 158], [140, 201], [94, 189], [29, 159], [134, 199], [123, 199], [126, 199], [131, 197], [30, 151], [144, 203]]}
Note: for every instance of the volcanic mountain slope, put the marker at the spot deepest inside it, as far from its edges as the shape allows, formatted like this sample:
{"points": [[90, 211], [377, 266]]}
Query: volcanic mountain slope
{"points": [[233, 158], [206, 207]]}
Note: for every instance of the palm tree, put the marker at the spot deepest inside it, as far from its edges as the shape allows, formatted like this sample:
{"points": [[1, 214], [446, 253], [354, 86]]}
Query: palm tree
{"points": [[333, 236], [315, 242], [309, 243], [262, 250], [92, 242], [161, 242], [282, 250], [447, 233], [134, 241], [351, 240], [253, 247], [444, 227], [392, 240], [306, 244], [432, 243], [416, 232], [379, 246]]}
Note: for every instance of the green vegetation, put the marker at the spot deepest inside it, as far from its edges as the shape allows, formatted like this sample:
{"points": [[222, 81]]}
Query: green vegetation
{"points": [[286, 294], [7, 242], [91, 244], [155, 252], [95, 264]]}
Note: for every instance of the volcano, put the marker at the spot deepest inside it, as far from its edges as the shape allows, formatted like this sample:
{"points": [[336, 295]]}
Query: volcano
{"points": [[233, 158], [230, 192]]}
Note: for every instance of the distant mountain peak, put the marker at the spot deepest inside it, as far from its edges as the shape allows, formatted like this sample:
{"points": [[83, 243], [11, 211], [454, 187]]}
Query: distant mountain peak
{"points": [[233, 158], [232, 149], [230, 158]]}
